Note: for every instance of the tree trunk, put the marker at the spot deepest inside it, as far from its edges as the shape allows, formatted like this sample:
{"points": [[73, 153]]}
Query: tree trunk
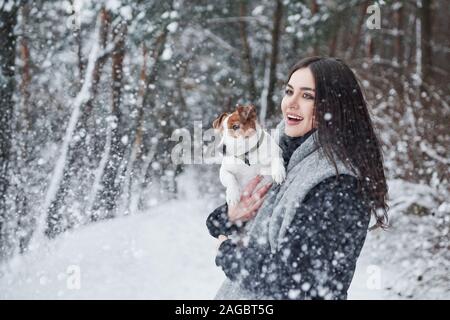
{"points": [[44, 224], [314, 11], [246, 53], [334, 38], [23, 147], [399, 54], [112, 176], [7, 86], [147, 102], [357, 35], [78, 41], [426, 37], [136, 147], [272, 109], [55, 224], [370, 47]]}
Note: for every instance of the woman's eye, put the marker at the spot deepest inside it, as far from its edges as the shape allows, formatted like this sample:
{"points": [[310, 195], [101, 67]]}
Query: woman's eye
{"points": [[288, 91], [308, 96], [235, 127]]}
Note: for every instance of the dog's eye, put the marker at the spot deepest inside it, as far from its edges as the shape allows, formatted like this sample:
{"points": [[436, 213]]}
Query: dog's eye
{"points": [[235, 127]]}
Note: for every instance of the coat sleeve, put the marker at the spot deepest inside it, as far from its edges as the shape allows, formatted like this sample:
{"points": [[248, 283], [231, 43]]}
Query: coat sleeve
{"points": [[218, 222], [318, 257]]}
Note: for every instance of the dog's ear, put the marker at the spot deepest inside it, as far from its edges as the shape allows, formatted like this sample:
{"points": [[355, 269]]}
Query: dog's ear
{"points": [[247, 113], [252, 112], [240, 109], [217, 124]]}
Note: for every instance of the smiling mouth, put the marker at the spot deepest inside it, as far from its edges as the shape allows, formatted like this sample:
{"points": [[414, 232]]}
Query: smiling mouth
{"points": [[293, 119]]}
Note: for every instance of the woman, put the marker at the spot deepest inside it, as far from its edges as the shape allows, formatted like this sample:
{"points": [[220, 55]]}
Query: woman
{"points": [[304, 241]]}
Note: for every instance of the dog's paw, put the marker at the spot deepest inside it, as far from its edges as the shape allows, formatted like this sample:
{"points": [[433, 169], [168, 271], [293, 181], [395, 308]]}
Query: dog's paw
{"points": [[278, 173], [233, 196]]}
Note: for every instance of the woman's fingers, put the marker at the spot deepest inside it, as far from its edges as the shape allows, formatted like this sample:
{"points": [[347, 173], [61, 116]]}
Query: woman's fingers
{"points": [[256, 201], [250, 187], [221, 239], [261, 192], [256, 206], [250, 201], [247, 211], [239, 211]]}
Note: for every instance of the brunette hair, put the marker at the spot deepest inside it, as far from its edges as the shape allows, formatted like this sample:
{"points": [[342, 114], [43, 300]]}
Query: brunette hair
{"points": [[345, 130]]}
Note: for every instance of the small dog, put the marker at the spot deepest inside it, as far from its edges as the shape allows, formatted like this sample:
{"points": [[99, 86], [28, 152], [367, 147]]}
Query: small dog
{"points": [[248, 151]]}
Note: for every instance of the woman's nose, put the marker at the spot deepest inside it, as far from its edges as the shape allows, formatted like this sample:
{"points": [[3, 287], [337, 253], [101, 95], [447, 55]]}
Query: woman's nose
{"points": [[293, 105]]}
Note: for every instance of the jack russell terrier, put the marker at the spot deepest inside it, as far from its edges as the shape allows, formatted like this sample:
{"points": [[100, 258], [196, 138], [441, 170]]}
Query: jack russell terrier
{"points": [[248, 151]]}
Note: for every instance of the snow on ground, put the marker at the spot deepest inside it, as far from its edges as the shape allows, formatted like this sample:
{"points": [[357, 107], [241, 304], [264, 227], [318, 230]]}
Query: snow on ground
{"points": [[165, 253]]}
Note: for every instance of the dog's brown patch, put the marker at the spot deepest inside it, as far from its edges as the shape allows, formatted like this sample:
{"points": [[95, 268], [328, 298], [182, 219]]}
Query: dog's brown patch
{"points": [[242, 121], [217, 124]]}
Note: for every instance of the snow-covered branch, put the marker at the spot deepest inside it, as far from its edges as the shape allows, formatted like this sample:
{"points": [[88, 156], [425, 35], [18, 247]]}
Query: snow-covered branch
{"points": [[426, 148], [259, 19]]}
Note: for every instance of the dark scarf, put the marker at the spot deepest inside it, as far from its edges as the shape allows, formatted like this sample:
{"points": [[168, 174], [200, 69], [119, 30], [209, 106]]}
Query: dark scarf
{"points": [[289, 144]]}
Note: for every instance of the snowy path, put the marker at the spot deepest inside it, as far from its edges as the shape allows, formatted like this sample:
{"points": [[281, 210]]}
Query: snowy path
{"points": [[164, 254]]}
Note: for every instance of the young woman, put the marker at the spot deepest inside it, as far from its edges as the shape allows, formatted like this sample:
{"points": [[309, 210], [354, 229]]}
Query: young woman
{"points": [[303, 242]]}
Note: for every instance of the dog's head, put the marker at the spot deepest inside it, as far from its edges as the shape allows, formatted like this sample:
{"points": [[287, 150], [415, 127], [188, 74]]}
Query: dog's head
{"points": [[239, 124]]}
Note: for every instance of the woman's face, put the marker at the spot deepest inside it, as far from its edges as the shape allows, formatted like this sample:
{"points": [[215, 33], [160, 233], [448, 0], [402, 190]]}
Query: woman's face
{"points": [[298, 103]]}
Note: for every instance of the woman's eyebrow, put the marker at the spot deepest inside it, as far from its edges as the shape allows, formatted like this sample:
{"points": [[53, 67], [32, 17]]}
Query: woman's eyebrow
{"points": [[302, 88]]}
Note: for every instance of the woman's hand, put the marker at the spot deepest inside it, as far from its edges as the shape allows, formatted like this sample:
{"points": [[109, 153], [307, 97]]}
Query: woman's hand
{"points": [[250, 201], [221, 238]]}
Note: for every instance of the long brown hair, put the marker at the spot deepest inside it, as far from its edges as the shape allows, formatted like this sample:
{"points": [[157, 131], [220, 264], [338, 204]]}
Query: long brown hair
{"points": [[345, 130]]}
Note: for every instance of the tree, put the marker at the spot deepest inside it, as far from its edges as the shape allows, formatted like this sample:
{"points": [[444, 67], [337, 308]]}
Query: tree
{"points": [[426, 36], [276, 35], [112, 176], [55, 218], [246, 51], [8, 38]]}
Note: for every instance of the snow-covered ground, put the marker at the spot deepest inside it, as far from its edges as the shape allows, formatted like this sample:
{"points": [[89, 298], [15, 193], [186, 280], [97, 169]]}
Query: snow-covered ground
{"points": [[165, 253]]}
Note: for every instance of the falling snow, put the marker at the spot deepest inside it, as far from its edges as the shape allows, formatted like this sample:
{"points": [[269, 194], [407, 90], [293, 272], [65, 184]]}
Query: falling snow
{"points": [[92, 91]]}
